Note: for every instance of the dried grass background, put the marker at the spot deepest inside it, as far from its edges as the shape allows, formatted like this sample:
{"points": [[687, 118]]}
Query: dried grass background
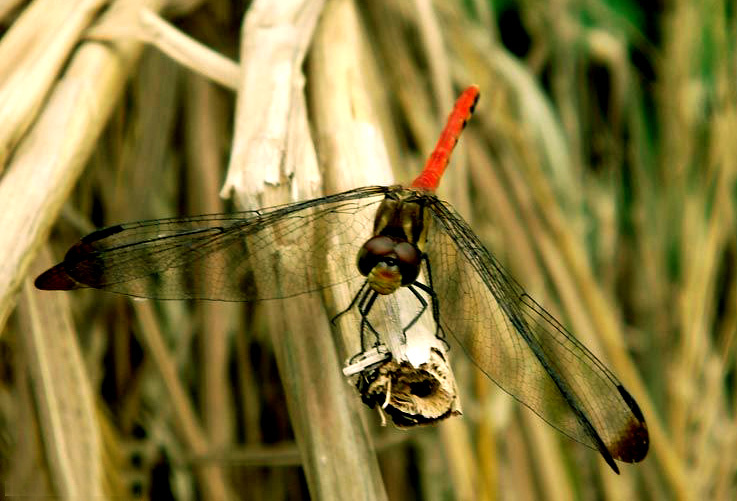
{"points": [[600, 167]]}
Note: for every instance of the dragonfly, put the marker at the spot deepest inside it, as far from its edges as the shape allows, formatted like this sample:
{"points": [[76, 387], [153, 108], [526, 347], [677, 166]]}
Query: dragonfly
{"points": [[281, 252]]}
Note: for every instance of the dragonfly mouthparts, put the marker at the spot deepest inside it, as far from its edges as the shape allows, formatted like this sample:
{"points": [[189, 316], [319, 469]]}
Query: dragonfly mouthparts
{"points": [[385, 278]]}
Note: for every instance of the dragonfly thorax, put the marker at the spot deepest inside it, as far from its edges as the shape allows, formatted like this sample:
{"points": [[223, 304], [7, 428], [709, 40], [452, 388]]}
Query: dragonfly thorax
{"points": [[402, 215], [389, 263]]}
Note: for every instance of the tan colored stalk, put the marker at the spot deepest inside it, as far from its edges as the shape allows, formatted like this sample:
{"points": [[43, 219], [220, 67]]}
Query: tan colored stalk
{"points": [[272, 143], [50, 161], [63, 394], [32, 53]]}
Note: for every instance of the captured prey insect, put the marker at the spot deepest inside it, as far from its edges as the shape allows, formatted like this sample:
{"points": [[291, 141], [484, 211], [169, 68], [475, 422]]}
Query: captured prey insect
{"points": [[510, 337]]}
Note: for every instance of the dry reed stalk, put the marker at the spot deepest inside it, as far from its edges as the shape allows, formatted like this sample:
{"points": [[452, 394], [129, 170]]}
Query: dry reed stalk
{"points": [[188, 52], [423, 109], [272, 141], [456, 438], [32, 53], [597, 306], [78, 106], [403, 85], [509, 198], [547, 454], [62, 392], [8, 7], [205, 119], [81, 101], [693, 198], [272, 144], [141, 174], [213, 481]]}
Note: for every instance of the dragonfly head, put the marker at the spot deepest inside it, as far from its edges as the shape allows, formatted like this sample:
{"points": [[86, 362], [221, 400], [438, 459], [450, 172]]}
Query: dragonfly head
{"points": [[389, 263]]}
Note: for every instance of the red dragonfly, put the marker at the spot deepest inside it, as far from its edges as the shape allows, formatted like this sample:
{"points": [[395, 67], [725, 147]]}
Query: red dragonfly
{"points": [[511, 338]]}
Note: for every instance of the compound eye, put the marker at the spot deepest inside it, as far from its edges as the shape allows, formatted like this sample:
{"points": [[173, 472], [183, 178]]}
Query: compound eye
{"points": [[373, 251], [409, 258], [408, 254], [380, 246]]}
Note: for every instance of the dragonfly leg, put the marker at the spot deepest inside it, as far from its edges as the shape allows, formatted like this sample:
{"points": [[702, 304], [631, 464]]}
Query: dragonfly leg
{"points": [[363, 301], [368, 298], [430, 290], [422, 301], [361, 292]]}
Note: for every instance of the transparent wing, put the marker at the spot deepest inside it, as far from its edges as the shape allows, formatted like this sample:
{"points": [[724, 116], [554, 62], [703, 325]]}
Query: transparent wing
{"points": [[523, 349], [271, 253]]}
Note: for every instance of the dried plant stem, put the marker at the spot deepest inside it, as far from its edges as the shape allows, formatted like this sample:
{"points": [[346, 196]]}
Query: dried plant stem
{"points": [[187, 51], [212, 478], [79, 104], [32, 53], [64, 396], [267, 152]]}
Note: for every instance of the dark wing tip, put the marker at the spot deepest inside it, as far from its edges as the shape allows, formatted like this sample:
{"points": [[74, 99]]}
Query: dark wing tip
{"points": [[634, 441], [633, 445], [80, 267], [56, 279]]}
